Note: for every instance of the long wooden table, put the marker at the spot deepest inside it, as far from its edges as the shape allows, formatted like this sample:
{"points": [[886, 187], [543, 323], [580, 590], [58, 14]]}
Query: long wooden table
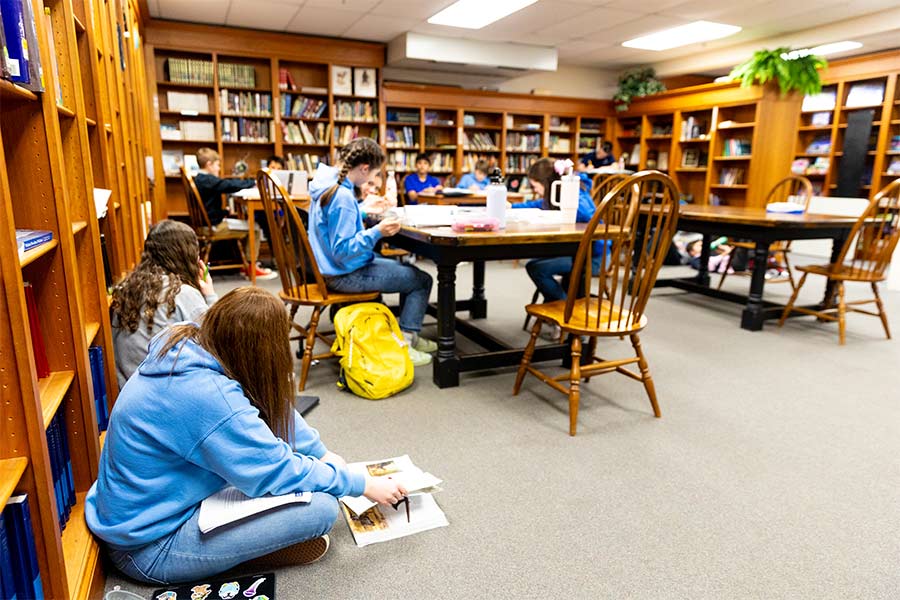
{"points": [[763, 228], [474, 199], [252, 205], [447, 249]]}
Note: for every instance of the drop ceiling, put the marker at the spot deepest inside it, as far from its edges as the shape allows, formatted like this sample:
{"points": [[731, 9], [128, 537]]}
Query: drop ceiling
{"points": [[585, 32]]}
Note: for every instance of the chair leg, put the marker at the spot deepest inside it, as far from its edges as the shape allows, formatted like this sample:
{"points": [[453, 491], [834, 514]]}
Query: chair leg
{"points": [[206, 248], [881, 313], [645, 374], [310, 342], [725, 272], [534, 298], [592, 351], [574, 384], [790, 273], [842, 314], [526, 356], [244, 262], [790, 304]]}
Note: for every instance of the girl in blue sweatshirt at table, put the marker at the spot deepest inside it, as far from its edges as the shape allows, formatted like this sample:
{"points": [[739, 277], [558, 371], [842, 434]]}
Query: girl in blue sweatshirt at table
{"points": [[477, 180], [544, 271], [212, 406], [343, 247]]}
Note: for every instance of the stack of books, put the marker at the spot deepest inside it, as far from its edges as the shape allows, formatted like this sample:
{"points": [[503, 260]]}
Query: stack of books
{"points": [[20, 576], [523, 142], [731, 176], [432, 118], [560, 144], [520, 162], [301, 106], [245, 103], [198, 131], [820, 145], [401, 138], [355, 111], [736, 147], [478, 141], [399, 116], [26, 239], [234, 75], [189, 70], [61, 468], [285, 80]]}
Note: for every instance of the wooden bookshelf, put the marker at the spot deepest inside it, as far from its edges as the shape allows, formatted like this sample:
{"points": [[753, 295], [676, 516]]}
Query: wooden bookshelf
{"points": [[51, 187]]}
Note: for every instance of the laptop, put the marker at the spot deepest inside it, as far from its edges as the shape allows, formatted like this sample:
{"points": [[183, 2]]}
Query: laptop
{"points": [[295, 182]]}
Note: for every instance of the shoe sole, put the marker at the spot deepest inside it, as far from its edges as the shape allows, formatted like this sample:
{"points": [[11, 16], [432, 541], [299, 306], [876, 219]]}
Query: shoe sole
{"points": [[303, 553]]}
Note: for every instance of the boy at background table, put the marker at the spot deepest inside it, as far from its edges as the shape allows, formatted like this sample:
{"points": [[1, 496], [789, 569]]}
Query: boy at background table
{"points": [[421, 181]]}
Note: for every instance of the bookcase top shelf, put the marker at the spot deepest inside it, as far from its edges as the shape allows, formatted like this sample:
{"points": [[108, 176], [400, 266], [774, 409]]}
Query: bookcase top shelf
{"points": [[32, 255]]}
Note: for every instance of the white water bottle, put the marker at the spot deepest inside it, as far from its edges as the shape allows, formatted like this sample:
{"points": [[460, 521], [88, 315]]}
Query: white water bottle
{"points": [[390, 188], [496, 198]]}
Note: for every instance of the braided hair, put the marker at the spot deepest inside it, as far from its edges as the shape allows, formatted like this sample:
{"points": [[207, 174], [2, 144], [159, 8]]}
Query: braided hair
{"points": [[361, 151]]}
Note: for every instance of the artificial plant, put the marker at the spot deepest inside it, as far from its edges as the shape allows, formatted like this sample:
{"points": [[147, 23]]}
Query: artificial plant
{"points": [[794, 70], [635, 83]]}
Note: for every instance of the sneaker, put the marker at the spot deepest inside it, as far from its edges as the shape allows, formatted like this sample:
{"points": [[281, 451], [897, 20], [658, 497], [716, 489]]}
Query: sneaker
{"points": [[552, 333], [263, 273], [419, 359], [303, 553], [425, 345]]}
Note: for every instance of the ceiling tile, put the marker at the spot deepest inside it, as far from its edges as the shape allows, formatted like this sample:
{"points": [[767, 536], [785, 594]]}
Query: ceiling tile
{"points": [[359, 5], [261, 14], [442, 30], [412, 9], [636, 28], [314, 20], [643, 6], [534, 18], [375, 28], [197, 11], [584, 25]]}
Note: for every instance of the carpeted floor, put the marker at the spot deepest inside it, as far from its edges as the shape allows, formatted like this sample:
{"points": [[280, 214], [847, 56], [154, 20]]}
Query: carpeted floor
{"points": [[774, 472]]}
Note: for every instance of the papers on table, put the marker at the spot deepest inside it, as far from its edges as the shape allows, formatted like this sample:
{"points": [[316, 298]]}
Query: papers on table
{"points": [[785, 208], [436, 215], [534, 216], [251, 193], [230, 504]]}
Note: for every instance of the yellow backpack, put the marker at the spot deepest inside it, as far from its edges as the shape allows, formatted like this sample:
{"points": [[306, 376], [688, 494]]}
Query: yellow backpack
{"points": [[374, 361]]}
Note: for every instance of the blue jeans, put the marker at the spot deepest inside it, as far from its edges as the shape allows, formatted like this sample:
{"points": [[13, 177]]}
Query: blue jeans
{"points": [[390, 276], [187, 555], [543, 272]]}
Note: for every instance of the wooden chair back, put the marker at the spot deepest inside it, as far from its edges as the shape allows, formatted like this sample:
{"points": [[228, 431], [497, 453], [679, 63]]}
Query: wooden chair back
{"points": [[300, 276], [618, 293], [197, 212], [874, 236], [603, 183], [795, 189]]}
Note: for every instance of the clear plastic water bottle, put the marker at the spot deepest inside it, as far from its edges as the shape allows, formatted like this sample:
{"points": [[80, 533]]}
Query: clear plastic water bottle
{"points": [[496, 197], [390, 188]]}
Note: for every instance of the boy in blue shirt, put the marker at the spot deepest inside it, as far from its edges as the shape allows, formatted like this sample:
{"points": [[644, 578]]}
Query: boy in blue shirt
{"points": [[601, 157], [477, 180], [420, 181]]}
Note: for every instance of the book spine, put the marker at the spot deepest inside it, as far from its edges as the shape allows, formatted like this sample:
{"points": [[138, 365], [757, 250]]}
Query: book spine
{"points": [[7, 579], [41, 364], [17, 43], [37, 241], [55, 471], [20, 520]]}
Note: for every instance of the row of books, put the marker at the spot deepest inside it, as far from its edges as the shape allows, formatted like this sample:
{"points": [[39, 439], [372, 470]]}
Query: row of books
{"points": [[895, 143], [401, 116], [894, 167], [478, 141], [41, 364], [17, 35], [820, 145], [736, 147], [301, 106], [525, 142], [246, 130], [661, 129], [557, 124], [693, 128], [190, 70], [188, 102], [355, 111], [95, 357], [298, 132], [235, 75], [348, 133], [559, 144], [731, 176], [434, 118], [20, 576], [303, 162], [520, 162], [196, 131], [802, 166], [442, 162], [511, 123], [173, 160], [245, 103], [405, 137], [61, 468], [398, 160]]}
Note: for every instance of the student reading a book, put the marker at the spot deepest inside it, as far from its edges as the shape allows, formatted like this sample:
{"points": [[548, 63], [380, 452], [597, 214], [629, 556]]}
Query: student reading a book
{"points": [[275, 163], [601, 157], [212, 406], [343, 247], [211, 187], [420, 181], [477, 180], [169, 284]]}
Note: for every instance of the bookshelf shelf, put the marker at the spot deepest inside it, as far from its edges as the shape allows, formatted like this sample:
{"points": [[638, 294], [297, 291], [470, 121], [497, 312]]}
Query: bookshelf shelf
{"points": [[402, 123], [12, 91], [79, 26], [32, 255], [559, 152], [239, 88], [628, 137], [102, 439], [295, 145], [232, 143], [80, 550], [863, 107], [186, 113], [694, 140], [52, 389], [484, 128], [355, 122], [537, 151], [247, 115], [429, 125], [291, 118], [809, 155], [441, 149], [722, 186], [189, 86], [11, 470], [815, 128], [724, 127], [188, 141], [352, 97], [78, 226], [659, 137], [65, 112], [90, 122], [525, 129], [691, 170], [728, 158], [90, 332]]}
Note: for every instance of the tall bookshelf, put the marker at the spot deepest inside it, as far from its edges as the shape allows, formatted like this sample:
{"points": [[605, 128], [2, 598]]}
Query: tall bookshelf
{"points": [[81, 132]]}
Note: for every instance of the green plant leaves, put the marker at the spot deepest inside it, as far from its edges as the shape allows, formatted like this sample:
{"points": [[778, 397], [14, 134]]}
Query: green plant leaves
{"points": [[800, 73], [635, 83]]}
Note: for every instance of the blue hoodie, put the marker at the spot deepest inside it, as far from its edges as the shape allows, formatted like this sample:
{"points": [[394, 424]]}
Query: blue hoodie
{"points": [[340, 242], [180, 431]]}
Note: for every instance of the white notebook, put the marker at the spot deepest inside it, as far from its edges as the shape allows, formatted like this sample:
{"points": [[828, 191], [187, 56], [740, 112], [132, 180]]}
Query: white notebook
{"points": [[230, 504]]}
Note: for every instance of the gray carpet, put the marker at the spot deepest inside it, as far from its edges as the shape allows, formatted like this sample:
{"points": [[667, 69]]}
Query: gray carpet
{"points": [[774, 472]]}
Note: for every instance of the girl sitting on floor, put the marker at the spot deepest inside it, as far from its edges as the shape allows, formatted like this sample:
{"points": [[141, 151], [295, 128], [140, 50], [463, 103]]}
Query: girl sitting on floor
{"points": [[169, 285], [212, 406]]}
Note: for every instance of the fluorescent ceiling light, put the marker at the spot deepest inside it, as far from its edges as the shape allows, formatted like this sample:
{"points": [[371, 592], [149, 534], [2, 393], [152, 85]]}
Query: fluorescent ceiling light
{"points": [[692, 33], [475, 14], [824, 49]]}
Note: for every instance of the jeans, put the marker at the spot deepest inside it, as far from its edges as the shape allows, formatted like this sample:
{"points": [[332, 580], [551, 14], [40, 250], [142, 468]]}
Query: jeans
{"points": [[187, 555], [543, 272], [390, 276]]}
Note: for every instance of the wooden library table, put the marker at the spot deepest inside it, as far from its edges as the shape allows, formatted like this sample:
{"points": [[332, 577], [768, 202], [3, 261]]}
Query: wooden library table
{"points": [[474, 199], [447, 249], [763, 228], [252, 205]]}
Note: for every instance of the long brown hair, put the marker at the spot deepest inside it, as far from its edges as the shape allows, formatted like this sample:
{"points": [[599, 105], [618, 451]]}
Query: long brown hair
{"points": [[542, 170], [171, 249], [361, 151], [247, 331]]}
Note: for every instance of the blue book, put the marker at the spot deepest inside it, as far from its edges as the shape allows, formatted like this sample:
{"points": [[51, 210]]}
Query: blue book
{"points": [[95, 353], [67, 466], [7, 581], [26, 239], [24, 555], [55, 471], [16, 42]]}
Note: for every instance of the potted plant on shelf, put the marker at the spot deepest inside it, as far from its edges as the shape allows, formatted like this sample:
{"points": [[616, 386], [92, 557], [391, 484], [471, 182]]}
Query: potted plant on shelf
{"points": [[635, 83], [794, 70]]}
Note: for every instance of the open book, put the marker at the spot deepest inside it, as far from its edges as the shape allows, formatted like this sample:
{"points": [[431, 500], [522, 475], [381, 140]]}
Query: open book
{"points": [[230, 504], [402, 470]]}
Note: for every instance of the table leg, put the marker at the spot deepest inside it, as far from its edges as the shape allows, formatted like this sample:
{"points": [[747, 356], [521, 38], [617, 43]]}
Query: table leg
{"points": [[251, 246], [754, 315], [446, 362], [837, 244], [478, 305], [703, 271]]}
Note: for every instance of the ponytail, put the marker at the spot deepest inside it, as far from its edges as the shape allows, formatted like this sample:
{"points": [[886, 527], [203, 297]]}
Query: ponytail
{"points": [[361, 151]]}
